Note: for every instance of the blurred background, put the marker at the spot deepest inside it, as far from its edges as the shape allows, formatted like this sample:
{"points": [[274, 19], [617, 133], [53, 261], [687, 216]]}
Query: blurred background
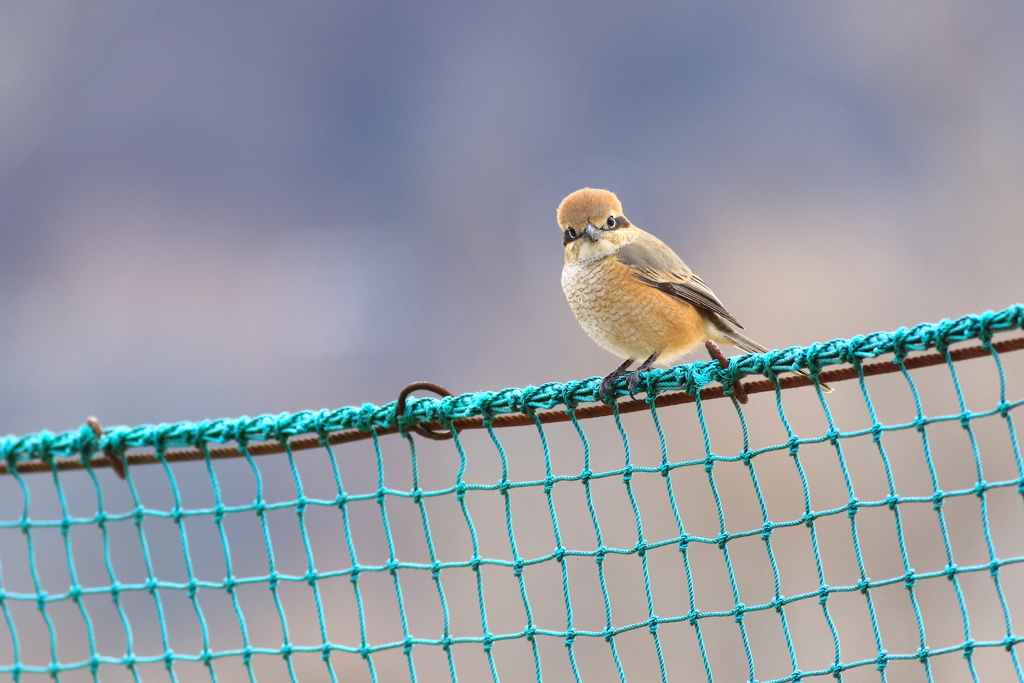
{"points": [[215, 210], [221, 211]]}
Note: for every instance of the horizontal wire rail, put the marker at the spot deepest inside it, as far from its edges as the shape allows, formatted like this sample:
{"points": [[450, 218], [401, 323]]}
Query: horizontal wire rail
{"points": [[40, 448], [535, 407], [545, 417]]}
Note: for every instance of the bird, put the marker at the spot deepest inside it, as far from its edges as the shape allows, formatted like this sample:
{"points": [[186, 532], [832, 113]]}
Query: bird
{"points": [[633, 295]]}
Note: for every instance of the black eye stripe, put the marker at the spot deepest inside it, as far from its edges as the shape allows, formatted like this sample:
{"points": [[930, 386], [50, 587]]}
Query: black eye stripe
{"points": [[570, 234]]}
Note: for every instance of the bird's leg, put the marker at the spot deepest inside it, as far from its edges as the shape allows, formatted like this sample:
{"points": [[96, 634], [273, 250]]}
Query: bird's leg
{"points": [[634, 377], [723, 362], [605, 389]]}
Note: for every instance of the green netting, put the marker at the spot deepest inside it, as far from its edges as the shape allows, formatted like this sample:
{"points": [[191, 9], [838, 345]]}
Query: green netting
{"points": [[76, 609]]}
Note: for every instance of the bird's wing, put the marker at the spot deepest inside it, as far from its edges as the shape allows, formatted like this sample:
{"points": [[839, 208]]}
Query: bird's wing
{"points": [[651, 261]]}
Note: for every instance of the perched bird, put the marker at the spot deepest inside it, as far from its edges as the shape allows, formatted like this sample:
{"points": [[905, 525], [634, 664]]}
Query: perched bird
{"points": [[632, 294]]}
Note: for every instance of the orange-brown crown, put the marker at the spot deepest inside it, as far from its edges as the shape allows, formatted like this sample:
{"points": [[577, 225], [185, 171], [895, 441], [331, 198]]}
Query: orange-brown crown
{"points": [[587, 206]]}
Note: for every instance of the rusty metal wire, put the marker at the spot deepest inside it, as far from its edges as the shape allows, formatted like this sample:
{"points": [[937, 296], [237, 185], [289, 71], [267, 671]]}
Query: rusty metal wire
{"points": [[514, 420]]}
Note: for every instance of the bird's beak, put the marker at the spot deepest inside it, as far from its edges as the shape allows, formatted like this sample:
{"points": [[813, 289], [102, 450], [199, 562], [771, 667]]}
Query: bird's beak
{"points": [[593, 232]]}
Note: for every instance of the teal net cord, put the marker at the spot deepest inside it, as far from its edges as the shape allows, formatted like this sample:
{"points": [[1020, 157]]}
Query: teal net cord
{"points": [[869, 534]]}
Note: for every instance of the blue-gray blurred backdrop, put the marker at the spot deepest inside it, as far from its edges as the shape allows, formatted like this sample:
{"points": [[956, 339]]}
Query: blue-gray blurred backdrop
{"points": [[216, 210]]}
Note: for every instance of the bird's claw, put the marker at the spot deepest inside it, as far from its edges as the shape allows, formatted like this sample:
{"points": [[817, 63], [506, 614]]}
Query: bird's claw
{"points": [[605, 391], [632, 383]]}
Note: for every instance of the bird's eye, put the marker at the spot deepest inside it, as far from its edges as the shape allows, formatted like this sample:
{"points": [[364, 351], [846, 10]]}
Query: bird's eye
{"points": [[572, 233], [611, 221]]}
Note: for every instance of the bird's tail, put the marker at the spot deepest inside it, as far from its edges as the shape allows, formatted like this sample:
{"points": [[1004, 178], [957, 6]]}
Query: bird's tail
{"points": [[734, 338]]}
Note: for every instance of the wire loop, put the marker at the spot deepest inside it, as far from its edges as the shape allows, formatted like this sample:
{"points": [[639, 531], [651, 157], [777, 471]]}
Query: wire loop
{"points": [[419, 428]]}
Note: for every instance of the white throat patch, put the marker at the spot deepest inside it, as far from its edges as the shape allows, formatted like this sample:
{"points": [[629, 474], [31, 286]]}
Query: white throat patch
{"points": [[593, 251]]}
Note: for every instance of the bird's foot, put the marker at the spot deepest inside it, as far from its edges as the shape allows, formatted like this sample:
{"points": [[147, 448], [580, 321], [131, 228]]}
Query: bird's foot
{"points": [[632, 383], [738, 392], [605, 391], [634, 377]]}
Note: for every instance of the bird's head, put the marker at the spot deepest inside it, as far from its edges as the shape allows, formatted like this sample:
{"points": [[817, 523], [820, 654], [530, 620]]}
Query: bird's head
{"points": [[592, 225]]}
